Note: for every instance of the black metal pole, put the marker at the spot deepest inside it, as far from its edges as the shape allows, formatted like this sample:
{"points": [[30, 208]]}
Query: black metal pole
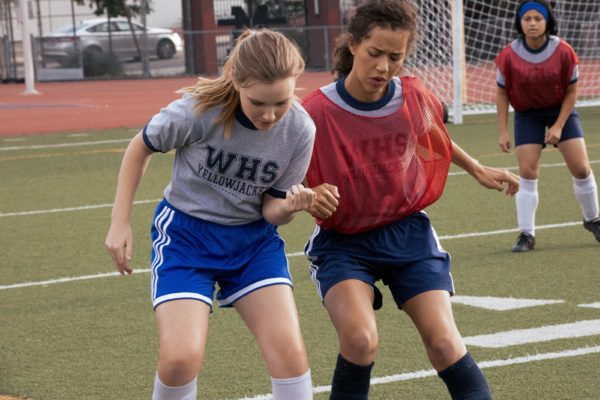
{"points": [[40, 32], [250, 14], [75, 34], [13, 55], [110, 46], [188, 38], [145, 64]]}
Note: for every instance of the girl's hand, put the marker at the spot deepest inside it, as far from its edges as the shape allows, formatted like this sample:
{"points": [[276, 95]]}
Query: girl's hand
{"points": [[553, 135], [497, 178], [299, 198], [504, 141], [119, 244], [326, 202]]}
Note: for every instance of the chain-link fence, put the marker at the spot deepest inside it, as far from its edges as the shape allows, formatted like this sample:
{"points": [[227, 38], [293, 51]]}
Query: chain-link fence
{"points": [[69, 42]]}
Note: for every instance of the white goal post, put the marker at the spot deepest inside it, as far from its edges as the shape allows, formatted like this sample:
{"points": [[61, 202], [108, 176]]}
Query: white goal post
{"points": [[461, 38]]}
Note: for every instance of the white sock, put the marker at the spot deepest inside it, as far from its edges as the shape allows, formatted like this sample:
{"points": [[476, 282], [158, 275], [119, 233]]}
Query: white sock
{"points": [[164, 392], [298, 388], [586, 192], [527, 201]]}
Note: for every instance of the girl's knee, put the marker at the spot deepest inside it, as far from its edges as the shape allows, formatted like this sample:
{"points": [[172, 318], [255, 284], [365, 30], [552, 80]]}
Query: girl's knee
{"points": [[359, 345], [294, 353], [581, 172], [179, 367], [529, 173], [285, 358], [445, 349]]}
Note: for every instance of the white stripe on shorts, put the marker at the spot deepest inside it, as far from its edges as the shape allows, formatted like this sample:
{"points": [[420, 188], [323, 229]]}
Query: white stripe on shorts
{"points": [[313, 267], [256, 285], [162, 222], [181, 296]]}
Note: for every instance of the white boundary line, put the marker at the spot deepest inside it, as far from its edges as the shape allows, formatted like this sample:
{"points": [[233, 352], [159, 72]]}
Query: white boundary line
{"points": [[425, 373], [68, 209], [458, 173], [511, 230], [296, 254], [63, 280], [61, 145], [590, 305], [538, 334]]}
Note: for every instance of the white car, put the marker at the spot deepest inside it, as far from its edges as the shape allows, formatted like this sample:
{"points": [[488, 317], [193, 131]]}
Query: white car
{"points": [[93, 36]]}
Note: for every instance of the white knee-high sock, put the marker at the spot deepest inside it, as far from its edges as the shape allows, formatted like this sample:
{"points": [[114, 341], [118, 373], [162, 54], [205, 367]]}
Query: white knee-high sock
{"points": [[164, 392], [586, 192], [527, 201], [298, 388]]}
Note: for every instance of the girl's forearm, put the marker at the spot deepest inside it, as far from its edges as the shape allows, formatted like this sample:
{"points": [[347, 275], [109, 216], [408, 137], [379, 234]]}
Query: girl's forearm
{"points": [[134, 164]]}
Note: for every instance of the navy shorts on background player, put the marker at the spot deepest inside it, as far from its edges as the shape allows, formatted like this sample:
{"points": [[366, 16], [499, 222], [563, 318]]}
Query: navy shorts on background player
{"points": [[190, 256], [531, 126], [406, 255]]}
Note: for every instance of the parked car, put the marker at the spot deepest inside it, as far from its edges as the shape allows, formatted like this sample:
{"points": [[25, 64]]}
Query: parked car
{"points": [[93, 36]]}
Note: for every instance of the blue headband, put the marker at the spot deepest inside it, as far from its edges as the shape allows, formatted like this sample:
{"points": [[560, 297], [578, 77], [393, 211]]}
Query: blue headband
{"points": [[532, 5]]}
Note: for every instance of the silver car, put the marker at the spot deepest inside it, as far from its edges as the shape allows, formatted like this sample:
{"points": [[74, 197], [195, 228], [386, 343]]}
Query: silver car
{"points": [[93, 36]]}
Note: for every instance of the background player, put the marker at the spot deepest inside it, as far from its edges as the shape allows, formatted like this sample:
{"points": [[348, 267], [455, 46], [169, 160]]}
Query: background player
{"points": [[537, 74], [242, 140], [381, 156]]}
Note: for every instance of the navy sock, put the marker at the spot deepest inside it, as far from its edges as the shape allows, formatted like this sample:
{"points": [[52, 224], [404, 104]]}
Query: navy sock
{"points": [[350, 381], [465, 380]]}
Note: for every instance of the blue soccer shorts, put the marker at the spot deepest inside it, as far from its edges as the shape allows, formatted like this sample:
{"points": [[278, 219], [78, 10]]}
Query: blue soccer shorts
{"points": [[191, 256], [406, 255], [530, 126]]}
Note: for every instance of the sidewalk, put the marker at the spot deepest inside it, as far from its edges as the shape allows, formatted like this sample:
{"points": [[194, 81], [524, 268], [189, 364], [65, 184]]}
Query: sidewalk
{"points": [[92, 105]]}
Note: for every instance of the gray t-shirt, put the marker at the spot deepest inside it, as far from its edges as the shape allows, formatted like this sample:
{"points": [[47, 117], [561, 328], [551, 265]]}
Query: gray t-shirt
{"points": [[223, 180]]}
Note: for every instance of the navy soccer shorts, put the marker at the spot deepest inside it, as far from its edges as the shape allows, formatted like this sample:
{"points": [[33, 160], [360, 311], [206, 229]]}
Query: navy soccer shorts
{"points": [[191, 256], [406, 255], [530, 126]]}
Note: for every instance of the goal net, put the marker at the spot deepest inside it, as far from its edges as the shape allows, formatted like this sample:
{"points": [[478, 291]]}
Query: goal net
{"points": [[456, 52]]}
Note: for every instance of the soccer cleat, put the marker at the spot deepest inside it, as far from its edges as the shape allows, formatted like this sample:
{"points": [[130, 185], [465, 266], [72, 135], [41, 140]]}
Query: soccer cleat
{"points": [[525, 242], [594, 227]]}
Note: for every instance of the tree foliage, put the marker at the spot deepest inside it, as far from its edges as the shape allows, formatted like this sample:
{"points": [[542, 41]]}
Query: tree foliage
{"points": [[119, 8], [116, 8]]}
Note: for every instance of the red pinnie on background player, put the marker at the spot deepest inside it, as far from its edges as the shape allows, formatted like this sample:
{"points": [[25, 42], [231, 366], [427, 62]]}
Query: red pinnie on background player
{"points": [[537, 74]]}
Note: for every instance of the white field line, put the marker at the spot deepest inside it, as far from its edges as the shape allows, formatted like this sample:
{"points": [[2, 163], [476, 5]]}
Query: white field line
{"points": [[482, 364], [501, 303], [502, 231], [62, 145], [458, 173], [535, 335], [296, 254], [81, 134], [590, 305], [68, 209], [63, 280]]}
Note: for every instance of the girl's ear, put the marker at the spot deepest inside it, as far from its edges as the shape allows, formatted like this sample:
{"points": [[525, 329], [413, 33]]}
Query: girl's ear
{"points": [[236, 85], [351, 45]]}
